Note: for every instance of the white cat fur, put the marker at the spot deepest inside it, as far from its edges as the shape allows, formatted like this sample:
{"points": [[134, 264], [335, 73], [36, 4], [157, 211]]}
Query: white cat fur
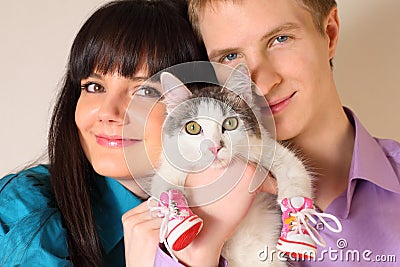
{"points": [[261, 227]]}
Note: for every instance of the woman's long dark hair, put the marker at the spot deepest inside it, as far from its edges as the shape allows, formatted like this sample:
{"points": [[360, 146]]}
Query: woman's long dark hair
{"points": [[118, 37]]}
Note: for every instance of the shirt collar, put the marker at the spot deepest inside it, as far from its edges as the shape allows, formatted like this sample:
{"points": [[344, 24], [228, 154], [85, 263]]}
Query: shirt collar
{"points": [[369, 162], [111, 201]]}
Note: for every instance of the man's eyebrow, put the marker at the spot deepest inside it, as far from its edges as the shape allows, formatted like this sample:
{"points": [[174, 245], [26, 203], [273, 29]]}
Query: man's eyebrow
{"points": [[216, 53], [284, 27]]}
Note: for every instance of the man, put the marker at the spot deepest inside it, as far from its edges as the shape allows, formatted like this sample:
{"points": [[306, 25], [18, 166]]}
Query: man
{"points": [[288, 46]]}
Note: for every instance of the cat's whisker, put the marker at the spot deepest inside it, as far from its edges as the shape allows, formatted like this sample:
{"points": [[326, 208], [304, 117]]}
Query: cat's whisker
{"points": [[252, 146]]}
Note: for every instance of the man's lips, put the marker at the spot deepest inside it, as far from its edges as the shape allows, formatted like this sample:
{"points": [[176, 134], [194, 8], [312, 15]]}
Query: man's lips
{"points": [[280, 104], [115, 141]]}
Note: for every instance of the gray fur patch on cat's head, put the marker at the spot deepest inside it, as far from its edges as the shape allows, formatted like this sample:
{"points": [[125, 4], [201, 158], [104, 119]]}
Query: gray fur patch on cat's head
{"points": [[179, 116]]}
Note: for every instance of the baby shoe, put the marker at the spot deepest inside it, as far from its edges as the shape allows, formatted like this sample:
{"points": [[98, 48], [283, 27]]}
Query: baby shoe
{"points": [[180, 225], [299, 238]]}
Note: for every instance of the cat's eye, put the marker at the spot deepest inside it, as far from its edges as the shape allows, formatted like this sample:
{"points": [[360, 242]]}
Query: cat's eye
{"points": [[92, 87], [230, 124], [193, 128]]}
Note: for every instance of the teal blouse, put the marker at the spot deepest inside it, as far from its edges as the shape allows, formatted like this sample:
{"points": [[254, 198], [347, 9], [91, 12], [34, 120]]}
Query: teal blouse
{"points": [[31, 230]]}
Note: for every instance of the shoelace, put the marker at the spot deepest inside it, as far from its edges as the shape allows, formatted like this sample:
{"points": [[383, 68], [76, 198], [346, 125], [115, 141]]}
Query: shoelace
{"points": [[166, 213], [301, 219]]}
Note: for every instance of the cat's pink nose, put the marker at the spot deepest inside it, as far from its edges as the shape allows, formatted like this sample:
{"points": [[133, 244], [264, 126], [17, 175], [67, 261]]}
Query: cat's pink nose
{"points": [[215, 149]]}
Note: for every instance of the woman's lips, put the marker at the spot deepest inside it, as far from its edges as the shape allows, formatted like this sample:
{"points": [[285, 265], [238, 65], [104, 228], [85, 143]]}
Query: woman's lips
{"points": [[279, 105], [115, 141]]}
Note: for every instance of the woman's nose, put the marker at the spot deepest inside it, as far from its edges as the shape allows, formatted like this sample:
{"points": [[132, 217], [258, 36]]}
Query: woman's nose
{"points": [[113, 109]]}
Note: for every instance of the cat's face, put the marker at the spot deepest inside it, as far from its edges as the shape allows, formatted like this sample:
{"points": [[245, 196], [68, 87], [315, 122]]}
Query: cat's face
{"points": [[207, 133], [210, 126]]}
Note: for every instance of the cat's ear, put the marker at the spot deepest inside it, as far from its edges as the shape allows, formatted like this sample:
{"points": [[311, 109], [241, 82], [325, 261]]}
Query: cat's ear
{"points": [[240, 82], [175, 92]]}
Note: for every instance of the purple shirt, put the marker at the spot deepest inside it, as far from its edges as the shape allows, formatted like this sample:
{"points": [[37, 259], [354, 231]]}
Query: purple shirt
{"points": [[164, 260], [368, 210]]}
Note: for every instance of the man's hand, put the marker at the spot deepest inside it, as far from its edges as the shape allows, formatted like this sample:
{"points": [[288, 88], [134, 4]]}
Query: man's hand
{"points": [[223, 215]]}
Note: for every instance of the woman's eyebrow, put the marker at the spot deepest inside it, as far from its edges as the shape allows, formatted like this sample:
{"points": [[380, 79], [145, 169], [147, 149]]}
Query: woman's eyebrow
{"points": [[95, 75], [133, 78], [139, 78]]}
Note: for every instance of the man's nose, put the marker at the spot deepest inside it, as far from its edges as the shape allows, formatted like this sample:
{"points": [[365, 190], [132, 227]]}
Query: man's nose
{"points": [[263, 73]]}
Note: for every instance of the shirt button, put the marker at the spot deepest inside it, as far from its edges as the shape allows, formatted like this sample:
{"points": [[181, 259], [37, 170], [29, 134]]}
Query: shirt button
{"points": [[319, 226]]}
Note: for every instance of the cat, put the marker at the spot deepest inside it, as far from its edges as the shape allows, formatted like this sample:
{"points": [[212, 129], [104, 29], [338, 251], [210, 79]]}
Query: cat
{"points": [[227, 118]]}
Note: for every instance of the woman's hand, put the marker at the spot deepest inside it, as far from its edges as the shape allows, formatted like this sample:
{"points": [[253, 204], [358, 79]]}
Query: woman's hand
{"points": [[141, 236]]}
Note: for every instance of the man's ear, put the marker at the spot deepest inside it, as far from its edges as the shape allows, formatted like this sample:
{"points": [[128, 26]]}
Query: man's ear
{"points": [[332, 30]]}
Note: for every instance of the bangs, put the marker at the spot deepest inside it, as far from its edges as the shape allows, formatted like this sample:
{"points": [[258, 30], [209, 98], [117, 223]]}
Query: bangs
{"points": [[124, 36]]}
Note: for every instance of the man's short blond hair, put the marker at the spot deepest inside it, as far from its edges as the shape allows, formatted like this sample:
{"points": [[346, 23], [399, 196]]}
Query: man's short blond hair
{"points": [[318, 9]]}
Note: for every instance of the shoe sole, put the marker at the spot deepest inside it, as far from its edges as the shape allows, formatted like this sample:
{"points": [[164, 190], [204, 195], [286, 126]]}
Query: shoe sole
{"points": [[184, 233], [296, 249]]}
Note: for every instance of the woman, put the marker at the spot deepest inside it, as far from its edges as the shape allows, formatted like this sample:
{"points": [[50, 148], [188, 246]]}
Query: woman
{"points": [[69, 212]]}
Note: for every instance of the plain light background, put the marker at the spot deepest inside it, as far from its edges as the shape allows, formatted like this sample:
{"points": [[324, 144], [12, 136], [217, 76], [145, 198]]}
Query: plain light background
{"points": [[36, 37]]}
